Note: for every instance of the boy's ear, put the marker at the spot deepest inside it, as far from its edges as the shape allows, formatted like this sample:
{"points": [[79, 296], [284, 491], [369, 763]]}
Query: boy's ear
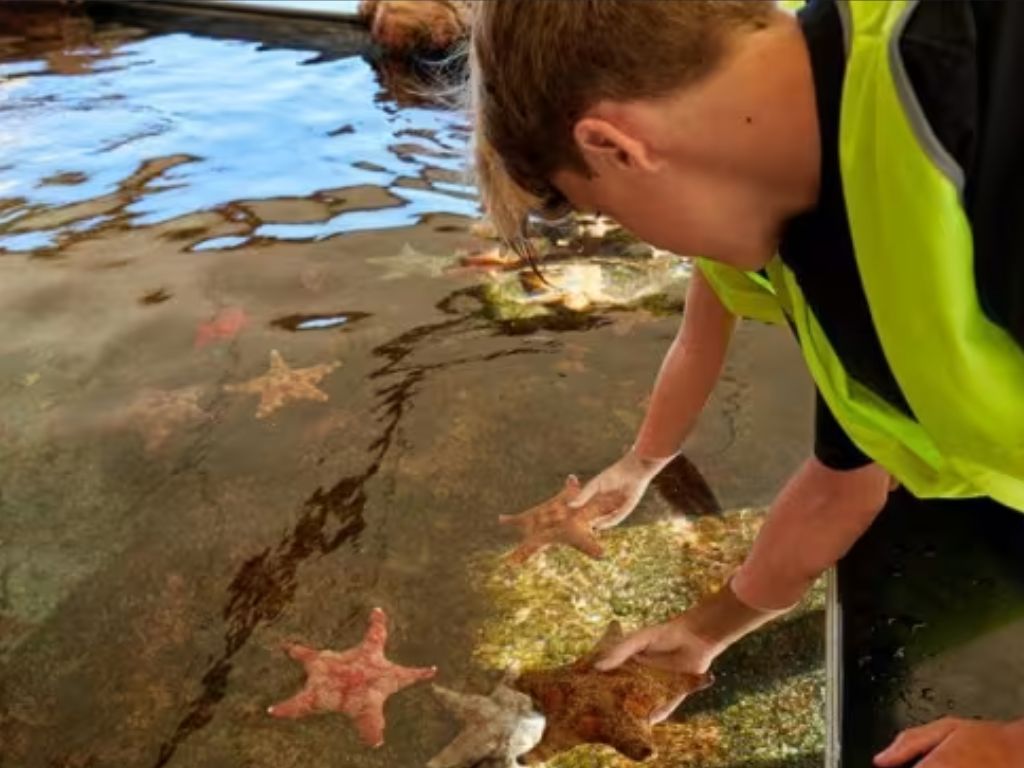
{"points": [[604, 144]]}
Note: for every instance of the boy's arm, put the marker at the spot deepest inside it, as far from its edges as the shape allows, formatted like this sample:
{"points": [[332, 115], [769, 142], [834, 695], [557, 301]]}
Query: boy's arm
{"points": [[812, 523], [688, 373], [687, 376]]}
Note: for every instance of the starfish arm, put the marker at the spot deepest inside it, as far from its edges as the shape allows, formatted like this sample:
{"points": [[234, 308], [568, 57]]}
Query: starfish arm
{"points": [[519, 521], [377, 633], [553, 742], [277, 363], [270, 401], [301, 653], [628, 735], [369, 720], [406, 676], [299, 705], [581, 537], [524, 551], [315, 394]]}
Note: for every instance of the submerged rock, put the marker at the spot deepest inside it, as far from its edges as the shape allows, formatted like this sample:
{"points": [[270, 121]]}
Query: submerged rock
{"points": [[585, 285], [497, 729]]}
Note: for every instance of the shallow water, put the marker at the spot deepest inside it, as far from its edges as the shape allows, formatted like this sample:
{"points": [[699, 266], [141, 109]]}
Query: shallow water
{"points": [[175, 206]]}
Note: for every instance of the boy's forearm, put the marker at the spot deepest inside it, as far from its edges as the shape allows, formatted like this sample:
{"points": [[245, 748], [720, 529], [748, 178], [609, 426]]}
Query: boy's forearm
{"points": [[816, 519], [688, 373]]}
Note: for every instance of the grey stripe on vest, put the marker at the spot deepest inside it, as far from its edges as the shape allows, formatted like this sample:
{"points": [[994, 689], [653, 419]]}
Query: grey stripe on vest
{"points": [[929, 142], [843, 8]]}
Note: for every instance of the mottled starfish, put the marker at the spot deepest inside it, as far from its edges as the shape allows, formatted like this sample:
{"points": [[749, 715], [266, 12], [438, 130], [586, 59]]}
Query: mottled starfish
{"points": [[157, 414], [282, 384], [498, 728], [355, 682], [586, 706], [555, 522]]}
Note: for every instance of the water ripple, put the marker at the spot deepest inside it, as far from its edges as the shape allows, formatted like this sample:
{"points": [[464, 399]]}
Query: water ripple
{"points": [[256, 123]]}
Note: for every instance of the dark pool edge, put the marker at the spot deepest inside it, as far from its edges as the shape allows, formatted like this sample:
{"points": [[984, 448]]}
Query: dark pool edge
{"points": [[240, 8], [833, 671]]}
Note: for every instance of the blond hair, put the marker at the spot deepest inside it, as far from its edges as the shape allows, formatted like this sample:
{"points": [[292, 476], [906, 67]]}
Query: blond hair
{"points": [[536, 66]]}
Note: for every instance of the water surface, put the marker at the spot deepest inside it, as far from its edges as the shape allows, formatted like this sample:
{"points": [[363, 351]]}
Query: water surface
{"points": [[175, 206]]}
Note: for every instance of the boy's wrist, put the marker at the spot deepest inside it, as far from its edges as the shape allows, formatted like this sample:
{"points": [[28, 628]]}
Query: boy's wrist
{"points": [[647, 462], [722, 618]]}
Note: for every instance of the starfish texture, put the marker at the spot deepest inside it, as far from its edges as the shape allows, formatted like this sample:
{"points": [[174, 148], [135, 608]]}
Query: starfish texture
{"points": [[223, 327], [158, 413], [498, 729], [586, 706], [554, 522], [282, 384], [355, 682]]}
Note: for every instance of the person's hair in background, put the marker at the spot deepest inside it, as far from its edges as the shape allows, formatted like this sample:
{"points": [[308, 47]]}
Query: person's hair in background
{"points": [[536, 65]]}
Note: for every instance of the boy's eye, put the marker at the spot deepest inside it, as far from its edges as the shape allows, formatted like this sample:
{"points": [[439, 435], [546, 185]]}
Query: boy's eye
{"points": [[554, 207]]}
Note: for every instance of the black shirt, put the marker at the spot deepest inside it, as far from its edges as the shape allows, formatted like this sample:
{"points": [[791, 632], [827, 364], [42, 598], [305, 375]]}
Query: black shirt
{"points": [[968, 74]]}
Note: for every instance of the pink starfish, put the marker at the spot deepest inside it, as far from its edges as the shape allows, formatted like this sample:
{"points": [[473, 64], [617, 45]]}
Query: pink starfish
{"points": [[224, 326], [355, 682]]}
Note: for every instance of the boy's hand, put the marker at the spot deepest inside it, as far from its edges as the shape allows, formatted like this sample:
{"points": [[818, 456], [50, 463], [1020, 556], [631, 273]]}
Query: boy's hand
{"points": [[629, 476], [669, 646], [955, 743], [692, 641]]}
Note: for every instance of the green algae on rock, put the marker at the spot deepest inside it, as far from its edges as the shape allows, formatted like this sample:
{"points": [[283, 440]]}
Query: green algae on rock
{"points": [[578, 286], [769, 700]]}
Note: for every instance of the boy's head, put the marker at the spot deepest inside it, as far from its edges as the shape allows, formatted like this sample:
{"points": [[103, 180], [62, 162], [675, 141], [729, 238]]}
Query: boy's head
{"points": [[691, 122]]}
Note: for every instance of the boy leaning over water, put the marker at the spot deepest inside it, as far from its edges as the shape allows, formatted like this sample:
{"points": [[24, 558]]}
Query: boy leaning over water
{"points": [[855, 173]]}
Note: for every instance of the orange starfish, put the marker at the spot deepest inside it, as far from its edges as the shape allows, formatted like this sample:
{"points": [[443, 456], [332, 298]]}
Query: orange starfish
{"points": [[554, 522], [355, 682], [583, 705], [281, 384]]}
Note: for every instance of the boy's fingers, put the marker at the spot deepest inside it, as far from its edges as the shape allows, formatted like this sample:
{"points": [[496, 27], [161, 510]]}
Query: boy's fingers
{"points": [[632, 645], [611, 519], [588, 492], [662, 714], [915, 742]]}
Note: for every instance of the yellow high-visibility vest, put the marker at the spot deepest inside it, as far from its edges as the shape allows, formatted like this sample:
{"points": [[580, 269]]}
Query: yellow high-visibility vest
{"points": [[961, 374]]}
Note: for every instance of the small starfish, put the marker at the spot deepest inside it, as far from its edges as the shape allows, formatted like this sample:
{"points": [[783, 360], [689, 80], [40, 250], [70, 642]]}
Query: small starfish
{"points": [[586, 706], [491, 258], [498, 728], [554, 522], [156, 414], [223, 327], [355, 682], [282, 384], [409, 262]]}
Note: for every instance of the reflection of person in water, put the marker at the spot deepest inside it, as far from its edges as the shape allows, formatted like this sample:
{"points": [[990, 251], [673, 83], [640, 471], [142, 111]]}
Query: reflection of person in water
{"points": [[424, 26], [43, 21], [415, 39], [853, 174]]}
